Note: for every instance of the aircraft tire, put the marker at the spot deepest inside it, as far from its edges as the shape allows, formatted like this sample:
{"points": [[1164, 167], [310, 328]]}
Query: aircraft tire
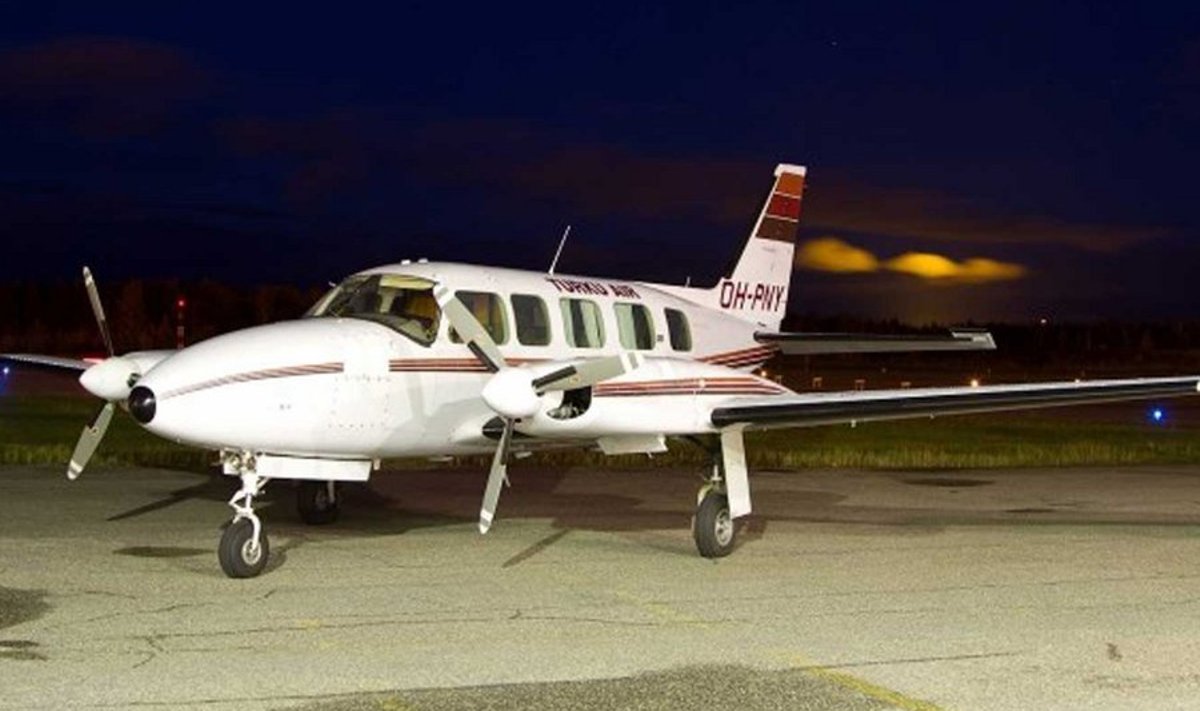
{"points": [[235, 555], [712, 528], [314, 505]]}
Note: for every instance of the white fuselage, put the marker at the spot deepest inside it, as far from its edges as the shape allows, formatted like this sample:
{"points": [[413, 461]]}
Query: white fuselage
{"points": [[351, 388]]}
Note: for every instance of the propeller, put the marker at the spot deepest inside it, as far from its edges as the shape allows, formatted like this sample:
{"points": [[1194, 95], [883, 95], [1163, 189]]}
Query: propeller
{"points": [[89, 440], [515, 393], [98, 310], [110, 379]]}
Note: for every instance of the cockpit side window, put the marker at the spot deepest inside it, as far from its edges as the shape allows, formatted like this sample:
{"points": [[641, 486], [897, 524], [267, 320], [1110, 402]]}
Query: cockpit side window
{"points": [[404, 304]]}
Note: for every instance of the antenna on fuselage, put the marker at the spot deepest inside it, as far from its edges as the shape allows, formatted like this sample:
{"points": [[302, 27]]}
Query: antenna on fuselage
{"points": [[558, 254]]}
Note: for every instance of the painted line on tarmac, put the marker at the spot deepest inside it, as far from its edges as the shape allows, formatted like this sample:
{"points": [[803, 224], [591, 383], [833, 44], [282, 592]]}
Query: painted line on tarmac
{"points": [[862, 686]]}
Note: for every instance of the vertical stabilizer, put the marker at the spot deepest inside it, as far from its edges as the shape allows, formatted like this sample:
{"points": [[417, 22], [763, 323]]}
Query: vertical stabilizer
{"points": [[757, 289]]}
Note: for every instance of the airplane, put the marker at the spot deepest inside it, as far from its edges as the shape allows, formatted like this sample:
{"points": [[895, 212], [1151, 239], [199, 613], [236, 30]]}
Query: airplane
{"points": [[433, 359]]}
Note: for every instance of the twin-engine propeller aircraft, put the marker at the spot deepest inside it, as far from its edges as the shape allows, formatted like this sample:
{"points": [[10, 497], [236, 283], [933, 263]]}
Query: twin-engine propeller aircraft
{"points": [[422, 359]]}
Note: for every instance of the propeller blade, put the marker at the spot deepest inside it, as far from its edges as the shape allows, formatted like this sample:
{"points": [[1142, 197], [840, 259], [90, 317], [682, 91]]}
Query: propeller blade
{"points": [[588, 372], [469, 329], [496, 478], [98, 309], [89, 440]]}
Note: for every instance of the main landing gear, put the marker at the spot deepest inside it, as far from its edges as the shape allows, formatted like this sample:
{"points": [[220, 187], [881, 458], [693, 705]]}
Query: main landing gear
{"points": [[244, 547], [316, 502], [724, 497], [712, 526]]}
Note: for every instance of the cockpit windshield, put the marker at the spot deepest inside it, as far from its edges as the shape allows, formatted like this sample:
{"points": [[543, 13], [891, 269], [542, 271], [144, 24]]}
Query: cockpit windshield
{"points": [[403, 303]]}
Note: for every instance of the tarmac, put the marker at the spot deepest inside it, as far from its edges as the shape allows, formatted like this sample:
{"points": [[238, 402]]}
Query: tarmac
{"points": [[1048, 589]]}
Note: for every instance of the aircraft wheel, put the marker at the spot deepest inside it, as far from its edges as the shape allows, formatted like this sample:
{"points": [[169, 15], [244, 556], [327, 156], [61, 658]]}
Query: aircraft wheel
{"points": [[238, 555], [712, 527], [315, 504]]}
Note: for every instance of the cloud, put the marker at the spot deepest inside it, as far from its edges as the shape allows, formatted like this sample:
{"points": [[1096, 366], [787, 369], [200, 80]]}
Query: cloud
{"points": [[324, 157], [521, 162], [935, 267], [922, 213], [102, 86], [830, 254]]}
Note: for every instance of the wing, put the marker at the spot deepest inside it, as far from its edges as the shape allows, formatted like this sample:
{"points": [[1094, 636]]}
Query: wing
{"points": [[829, 343], [812, 409], [46, 361]]}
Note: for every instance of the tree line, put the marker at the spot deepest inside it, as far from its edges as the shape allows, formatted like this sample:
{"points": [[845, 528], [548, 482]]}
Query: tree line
{"points": [[54, 317], [143, 314]]}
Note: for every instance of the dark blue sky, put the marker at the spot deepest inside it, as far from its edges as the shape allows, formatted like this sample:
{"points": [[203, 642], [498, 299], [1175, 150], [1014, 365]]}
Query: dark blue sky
{"points": [[1055, 140]]}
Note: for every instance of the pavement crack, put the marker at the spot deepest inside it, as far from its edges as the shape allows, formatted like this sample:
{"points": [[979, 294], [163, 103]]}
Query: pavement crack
{"points": [[520, 617], [912, 660]]}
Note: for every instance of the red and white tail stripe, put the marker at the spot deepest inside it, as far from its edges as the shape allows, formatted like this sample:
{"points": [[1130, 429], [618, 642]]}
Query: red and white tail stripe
{"points": [[743, 358]]}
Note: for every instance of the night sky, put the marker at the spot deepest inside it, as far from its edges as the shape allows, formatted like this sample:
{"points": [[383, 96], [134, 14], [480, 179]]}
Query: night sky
{"points": [[1026, 161]]}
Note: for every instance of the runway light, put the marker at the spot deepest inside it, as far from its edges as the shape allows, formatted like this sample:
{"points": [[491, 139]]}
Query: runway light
{"points": [[1158, 416], [974, 382], [6, 371]]}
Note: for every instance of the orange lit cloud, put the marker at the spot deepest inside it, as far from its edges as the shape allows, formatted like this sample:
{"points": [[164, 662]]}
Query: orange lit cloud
{"points": [[937, 267], [830, 254]]}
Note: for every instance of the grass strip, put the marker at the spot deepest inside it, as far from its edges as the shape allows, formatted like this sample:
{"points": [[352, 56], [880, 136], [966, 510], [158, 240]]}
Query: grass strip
{"points": [[43, 430]]}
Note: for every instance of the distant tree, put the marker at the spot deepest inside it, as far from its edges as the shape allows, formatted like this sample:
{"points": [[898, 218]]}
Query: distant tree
{"points": [[129, 317]]}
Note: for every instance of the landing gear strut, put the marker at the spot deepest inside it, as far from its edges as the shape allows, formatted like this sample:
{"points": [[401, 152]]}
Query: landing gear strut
{"points": [[316, 502], [724, 497], [244, 547]]}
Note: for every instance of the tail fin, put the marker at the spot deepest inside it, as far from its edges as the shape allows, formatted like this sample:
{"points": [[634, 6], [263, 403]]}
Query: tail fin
{"points": [[757, 289]]}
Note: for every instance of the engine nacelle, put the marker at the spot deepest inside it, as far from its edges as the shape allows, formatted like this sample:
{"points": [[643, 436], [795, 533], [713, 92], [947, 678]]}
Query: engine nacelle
{"points": [[662, 397]]}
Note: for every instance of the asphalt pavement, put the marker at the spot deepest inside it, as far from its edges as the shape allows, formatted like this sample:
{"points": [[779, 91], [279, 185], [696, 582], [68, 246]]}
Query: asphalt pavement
{"points": [[1050, 589]]}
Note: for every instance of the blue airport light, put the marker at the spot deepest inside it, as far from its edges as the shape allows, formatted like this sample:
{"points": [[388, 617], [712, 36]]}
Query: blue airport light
{"points": [[6, 371], [1157, 415]]}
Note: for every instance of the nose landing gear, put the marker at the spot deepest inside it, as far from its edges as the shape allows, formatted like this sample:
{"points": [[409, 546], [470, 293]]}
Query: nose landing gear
{"points": [[244, 547]]}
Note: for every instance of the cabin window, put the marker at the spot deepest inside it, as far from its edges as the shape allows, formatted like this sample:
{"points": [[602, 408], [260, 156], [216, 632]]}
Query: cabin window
{"points": [[402, 303], [532, 319], [680, 332], [488, 310], [582, 323], [635, 326]]}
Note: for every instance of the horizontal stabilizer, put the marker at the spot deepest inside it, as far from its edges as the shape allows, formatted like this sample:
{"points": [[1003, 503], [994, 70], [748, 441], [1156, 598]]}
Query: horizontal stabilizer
{"points": [[831, 343]]}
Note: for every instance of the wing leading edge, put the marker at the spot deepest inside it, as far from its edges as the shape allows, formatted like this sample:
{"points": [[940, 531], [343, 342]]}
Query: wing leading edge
{"points": [[813, 409], [46, 361]]}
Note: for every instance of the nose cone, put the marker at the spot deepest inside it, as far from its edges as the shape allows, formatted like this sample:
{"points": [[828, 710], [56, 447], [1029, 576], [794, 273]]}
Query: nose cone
{"points": [[142, 404]]}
